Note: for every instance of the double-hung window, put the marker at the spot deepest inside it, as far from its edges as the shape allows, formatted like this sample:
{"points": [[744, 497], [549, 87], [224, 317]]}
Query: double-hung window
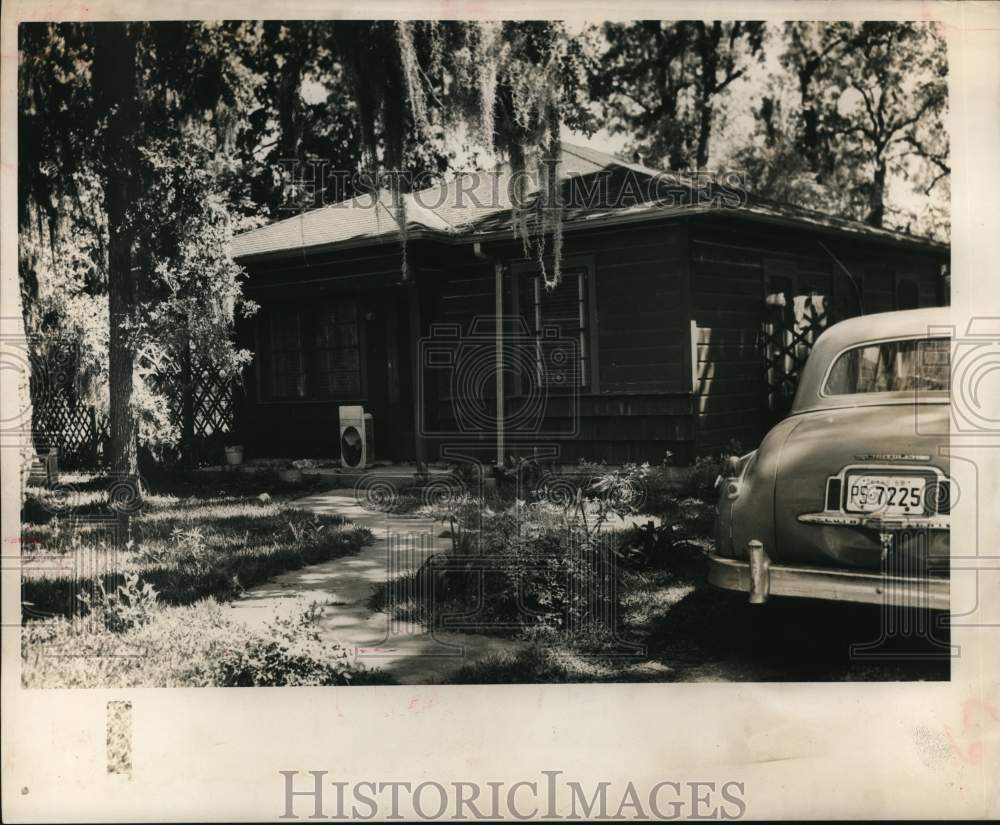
{"points": [[559, 319]]}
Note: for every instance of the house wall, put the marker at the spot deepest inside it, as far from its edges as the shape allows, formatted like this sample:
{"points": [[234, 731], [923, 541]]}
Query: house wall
{"points": [[311, 428], [675, 312], [638, 404], [734, 264]]}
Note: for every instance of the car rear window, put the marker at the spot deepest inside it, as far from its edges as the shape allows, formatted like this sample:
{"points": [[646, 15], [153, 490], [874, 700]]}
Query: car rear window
{"points": [[892, 366]]}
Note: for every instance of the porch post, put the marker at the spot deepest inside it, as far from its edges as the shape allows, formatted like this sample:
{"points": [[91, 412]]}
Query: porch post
{"points": [[498, 312], [413, 294], [393, 440]]}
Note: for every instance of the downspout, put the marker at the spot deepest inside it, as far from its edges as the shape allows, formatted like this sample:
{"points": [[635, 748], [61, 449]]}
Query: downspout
{"points": [[477, 250], [850, 277]]}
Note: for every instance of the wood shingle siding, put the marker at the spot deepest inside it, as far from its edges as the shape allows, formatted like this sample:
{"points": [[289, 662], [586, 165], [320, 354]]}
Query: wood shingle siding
{"points": [[672, 313]]}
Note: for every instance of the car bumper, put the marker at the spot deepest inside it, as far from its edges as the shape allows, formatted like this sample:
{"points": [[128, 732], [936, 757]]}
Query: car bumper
{"points": [[832, 585]]}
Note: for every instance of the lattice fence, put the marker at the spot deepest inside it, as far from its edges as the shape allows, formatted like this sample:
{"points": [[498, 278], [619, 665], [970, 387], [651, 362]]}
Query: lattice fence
{"points": [[212, 400], [790, 330], [60, 419]]}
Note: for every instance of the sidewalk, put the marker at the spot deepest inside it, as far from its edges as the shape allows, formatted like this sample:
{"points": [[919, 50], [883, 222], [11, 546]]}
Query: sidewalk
{"points": [[344, 586]]}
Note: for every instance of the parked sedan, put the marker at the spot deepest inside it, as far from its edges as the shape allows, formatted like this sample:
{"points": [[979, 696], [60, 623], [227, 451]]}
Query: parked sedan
{"points": [[848, 497]]}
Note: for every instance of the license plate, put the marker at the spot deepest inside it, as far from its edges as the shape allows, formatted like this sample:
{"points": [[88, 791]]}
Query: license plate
{"points": [[896, 495]]}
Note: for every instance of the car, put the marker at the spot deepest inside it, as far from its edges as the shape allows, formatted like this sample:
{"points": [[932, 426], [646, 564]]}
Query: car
{"points": [[848, 497]]}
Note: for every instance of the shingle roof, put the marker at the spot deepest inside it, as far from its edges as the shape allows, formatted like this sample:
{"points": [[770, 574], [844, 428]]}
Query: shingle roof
{"points": [[358, 218], [471, 206]]}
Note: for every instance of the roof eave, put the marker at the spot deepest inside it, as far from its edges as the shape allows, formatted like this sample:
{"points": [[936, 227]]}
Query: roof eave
{"points": [[842, 231], [461, 237], [388, 240]]}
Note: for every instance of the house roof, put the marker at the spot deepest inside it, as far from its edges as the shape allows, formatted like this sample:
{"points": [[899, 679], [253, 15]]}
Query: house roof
{"points": [[477, 206]]}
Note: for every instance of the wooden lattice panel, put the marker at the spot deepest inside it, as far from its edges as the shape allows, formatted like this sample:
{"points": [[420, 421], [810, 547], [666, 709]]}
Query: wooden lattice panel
{"points": [[789, 334], [61, 420]]}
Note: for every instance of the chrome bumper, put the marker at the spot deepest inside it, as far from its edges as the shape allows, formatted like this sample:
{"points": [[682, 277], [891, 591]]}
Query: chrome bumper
{"points": [[762, 579]]}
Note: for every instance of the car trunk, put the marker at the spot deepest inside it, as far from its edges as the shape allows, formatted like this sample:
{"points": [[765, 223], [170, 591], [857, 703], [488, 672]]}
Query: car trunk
{"points": [[884, 441]]}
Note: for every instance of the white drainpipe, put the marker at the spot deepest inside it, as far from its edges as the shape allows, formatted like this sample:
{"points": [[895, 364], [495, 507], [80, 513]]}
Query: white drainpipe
{"points": [[498, 332]]}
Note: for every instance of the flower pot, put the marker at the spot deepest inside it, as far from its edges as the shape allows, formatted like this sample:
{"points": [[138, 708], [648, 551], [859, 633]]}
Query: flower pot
{"points": [[234, 456], [290, 476]]}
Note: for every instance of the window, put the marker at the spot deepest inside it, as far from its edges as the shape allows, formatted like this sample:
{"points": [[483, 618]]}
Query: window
{"points": [[314, 352], [559, 320], [287, 371], [338, 351], [922, 364]]}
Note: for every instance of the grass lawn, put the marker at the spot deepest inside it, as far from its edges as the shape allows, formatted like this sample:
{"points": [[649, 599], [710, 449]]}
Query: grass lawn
{"points": [[190, 543], [149, 614], [191, 646]]}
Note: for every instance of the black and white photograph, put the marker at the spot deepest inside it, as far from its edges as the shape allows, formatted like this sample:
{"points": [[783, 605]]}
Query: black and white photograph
{"points": [[428, 351]]}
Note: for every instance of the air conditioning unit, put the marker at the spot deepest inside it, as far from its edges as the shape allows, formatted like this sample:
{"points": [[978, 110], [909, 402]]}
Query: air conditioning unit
{"points": [[357, 438]]}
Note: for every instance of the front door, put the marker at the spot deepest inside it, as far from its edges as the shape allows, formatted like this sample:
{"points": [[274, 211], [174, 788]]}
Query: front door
{"points": [[390, 374]]}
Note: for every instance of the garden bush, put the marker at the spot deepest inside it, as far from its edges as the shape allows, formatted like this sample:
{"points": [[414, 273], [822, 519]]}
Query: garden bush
{"points": [[519, 567], [707, 469]]}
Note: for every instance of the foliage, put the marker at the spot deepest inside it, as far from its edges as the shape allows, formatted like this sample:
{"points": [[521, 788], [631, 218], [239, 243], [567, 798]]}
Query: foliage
{"points": [[197, 646], [858, 107], [289, 653], [661, 82], [154, 179], [540, 566], [706, 470], [126, 606], [523, 568], [513, 84], [848, 119]]}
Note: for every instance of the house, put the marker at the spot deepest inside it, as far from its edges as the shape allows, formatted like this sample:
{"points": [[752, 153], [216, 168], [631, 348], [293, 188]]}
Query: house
{"points": [[682, 314]]}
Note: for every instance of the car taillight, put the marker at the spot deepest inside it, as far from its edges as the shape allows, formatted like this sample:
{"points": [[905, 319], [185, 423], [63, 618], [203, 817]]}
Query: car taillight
{"points": [[737, 467]]}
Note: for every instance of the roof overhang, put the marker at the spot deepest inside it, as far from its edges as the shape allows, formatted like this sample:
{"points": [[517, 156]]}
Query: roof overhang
{"points": [[650, 214]]}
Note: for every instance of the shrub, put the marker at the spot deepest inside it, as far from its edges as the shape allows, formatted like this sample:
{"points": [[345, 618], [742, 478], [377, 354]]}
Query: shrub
{"points": [[289, 653], [524, 567], [706, 470]]}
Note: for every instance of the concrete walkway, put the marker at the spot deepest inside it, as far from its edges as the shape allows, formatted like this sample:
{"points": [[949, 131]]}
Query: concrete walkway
{"points": [[343, 587]]}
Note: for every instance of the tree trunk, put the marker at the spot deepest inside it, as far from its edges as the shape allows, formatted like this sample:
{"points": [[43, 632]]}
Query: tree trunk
{"points": [[704, 133], [115, 72], [876, 195], [809, 139], [708, 46]]}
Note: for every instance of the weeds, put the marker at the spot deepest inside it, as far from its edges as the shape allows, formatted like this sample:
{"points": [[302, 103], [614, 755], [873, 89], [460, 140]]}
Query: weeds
{"points": [[195, 646], [124, 607]]}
